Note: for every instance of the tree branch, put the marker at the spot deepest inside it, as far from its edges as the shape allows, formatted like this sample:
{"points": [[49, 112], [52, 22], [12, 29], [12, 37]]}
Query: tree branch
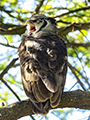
{"points": [[10, 89], [4, 72], [39, 6], [10, 29], [72, 11], [51, 10], [86, 45], [1, 78], [73, 71], [73, 99], [8, 67], [20, 29], [9, 13], [73, 27], [65, 22]]}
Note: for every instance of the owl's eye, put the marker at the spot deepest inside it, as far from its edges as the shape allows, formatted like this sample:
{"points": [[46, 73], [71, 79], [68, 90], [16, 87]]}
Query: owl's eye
{"points": [[39, 21], [34, 20]]}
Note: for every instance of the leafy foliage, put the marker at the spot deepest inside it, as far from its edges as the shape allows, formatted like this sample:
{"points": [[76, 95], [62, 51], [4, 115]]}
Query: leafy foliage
{"points": [[70, 16]]}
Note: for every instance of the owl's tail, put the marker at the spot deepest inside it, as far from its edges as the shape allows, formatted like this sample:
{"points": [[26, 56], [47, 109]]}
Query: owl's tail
{"points": [[41, 108]]}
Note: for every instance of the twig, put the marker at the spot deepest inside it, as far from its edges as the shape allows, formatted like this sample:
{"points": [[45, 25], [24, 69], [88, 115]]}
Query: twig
{"points": [[10, 88], [8, 67], [73, 71], [73, 86], [18, 64], [12, 46], [9, 13], [86, 79], [52, 9], [63, 22], [32, 117], [4, 72]]}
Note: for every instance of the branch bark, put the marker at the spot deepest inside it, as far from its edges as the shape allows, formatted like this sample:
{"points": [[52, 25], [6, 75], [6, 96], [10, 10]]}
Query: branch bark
{"points": [[73, 99], [39, 6], [73, 27], [86, 45], [10, 29], [20, 29], [72, 11]]}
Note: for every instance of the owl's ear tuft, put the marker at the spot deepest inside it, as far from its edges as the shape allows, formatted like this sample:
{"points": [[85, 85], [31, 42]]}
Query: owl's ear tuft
{"points": [[52, 20]]}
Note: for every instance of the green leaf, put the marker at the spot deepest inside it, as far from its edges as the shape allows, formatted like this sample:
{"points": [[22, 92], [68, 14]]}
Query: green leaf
{"points": [[9, 38]]}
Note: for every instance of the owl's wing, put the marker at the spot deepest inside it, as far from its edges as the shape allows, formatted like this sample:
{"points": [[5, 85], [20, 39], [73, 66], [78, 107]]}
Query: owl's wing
{"points": [[53, 64], [43, 69]]}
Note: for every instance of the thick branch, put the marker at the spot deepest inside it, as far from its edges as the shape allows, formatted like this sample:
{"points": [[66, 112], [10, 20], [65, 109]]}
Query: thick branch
{"points": [[73, 27], [74, 99], [20, 29], [9, 29], [86, 45]]}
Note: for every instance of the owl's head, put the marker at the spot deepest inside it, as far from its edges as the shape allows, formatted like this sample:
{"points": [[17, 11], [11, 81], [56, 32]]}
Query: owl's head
{"points": [[39, 23]]}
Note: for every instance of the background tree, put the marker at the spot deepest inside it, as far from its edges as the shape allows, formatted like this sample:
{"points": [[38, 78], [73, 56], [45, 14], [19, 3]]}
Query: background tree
{"points": [[73, 19]]}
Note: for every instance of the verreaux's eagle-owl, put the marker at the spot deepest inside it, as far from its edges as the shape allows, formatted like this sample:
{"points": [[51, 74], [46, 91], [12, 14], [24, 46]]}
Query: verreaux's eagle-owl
{"points": [[43, 61]]}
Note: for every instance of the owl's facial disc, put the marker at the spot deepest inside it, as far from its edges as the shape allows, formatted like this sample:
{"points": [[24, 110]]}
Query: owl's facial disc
{"points": [[35, 25]]}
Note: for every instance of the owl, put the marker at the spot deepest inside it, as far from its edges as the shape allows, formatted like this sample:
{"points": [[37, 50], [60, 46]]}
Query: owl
{"points": [[43, 63]]}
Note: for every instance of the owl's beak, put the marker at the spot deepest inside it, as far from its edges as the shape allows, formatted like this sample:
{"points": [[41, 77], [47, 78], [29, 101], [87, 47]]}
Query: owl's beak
{"points": [[32, 27]]}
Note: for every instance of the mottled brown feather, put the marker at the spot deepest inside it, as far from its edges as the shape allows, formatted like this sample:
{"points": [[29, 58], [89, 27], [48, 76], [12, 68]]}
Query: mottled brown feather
{"points": [[43, 69]]}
